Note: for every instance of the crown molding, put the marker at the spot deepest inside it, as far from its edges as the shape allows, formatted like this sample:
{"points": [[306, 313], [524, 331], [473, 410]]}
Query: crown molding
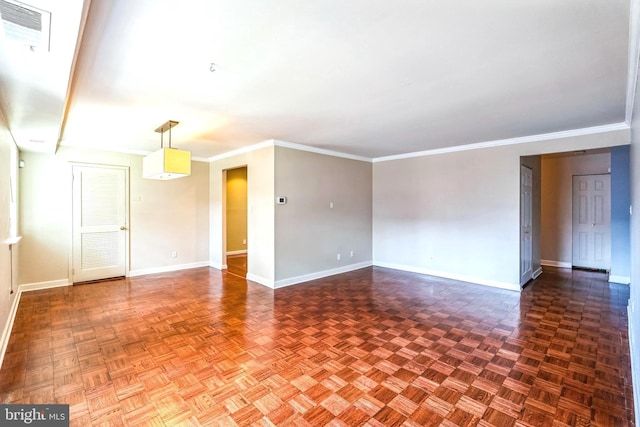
{"points": [[242, 150], [316, 150], [488, 144], [511, 141], [285, 144], [634, 51]]}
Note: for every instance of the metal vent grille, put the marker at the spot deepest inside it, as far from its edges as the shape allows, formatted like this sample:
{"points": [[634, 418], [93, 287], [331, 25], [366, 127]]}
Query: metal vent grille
{"points": [[99, 199], [100, 250], [25, 24]]}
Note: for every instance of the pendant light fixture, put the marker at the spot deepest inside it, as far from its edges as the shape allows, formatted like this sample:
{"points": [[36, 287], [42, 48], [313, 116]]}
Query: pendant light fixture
{"points": [[166, 163]]}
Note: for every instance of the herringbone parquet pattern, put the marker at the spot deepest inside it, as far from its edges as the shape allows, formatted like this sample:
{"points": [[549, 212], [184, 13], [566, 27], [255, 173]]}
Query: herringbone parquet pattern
{"points": [[373, 347]]}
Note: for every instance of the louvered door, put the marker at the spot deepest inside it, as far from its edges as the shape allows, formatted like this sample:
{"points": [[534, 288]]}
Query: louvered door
{"points": [[99, 222]]}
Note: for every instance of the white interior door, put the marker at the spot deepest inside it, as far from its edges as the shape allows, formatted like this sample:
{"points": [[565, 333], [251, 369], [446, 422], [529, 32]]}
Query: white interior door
{"points": [[526, 229], [99, 222], [592, 221]]}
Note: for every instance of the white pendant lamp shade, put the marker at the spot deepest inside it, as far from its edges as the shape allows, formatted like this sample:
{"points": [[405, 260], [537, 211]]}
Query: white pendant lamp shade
{"points": [[166, 163]]}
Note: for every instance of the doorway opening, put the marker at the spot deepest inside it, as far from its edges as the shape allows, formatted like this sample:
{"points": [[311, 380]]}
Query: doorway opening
{"points": [[236, 218], [582, 191], [526, 224]]}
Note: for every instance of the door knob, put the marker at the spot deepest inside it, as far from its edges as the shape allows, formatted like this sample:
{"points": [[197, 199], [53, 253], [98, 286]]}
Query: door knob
{"points": [[122, 227], [593, 225]]}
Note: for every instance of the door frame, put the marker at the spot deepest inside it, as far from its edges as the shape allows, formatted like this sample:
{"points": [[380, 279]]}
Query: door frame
{"points": [[573, 225], [530, 214], [224, 265], [127, 206]]}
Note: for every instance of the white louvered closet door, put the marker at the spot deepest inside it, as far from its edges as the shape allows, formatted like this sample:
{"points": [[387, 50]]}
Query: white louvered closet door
{"points": [[99, 223]]}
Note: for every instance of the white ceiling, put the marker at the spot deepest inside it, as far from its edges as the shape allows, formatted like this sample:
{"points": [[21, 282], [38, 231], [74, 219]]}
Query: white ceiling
{"points": [[365, 77]]}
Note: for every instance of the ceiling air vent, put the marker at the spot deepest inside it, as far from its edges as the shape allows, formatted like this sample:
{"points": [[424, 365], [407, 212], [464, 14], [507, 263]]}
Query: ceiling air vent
{"points": [[26, 25]]}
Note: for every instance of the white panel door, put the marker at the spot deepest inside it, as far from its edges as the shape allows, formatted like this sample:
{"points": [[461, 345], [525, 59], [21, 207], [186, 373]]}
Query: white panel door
{"points": [[526, 229], [99, 222], [592, 221]]}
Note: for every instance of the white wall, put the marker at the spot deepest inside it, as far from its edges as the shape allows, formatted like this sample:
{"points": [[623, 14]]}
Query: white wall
{"points": [[165, 216], [260, 201], [457, 214], [45, 218], [557, 196], [7, 151], [620, 215], [309, 232], [634, 301], [453, 215], [169, 216]]}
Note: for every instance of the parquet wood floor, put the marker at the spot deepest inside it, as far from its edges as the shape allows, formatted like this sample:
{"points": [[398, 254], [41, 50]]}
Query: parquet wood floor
{"points": [[237, 264], [373, 347]]}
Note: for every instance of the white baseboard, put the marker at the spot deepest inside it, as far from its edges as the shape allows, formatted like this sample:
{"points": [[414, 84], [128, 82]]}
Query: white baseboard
{"points": [[260, 280], [559, 264], [623, 280], [453, 276], [6, 333], [241, 252], [217, 265], [537, 273], [167, 269], [635, 359], [320, 274], [44, 285]]}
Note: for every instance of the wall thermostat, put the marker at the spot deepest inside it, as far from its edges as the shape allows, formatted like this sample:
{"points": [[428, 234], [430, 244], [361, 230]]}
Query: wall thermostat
{"points": [[281, 200]]}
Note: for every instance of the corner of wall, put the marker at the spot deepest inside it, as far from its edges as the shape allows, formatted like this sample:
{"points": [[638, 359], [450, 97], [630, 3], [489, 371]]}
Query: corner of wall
{"points": [[6, 332], [453, 276], [8, 326], [635, 357], [261, 280], [320, 274]]}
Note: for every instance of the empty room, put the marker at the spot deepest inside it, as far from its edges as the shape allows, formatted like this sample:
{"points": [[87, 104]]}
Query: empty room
{"points": [[319, 213]]}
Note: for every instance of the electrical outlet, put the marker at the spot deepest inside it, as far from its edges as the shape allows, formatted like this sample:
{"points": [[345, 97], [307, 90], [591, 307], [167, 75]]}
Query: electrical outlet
{"points": [[351, 253], [174, 254], [338, 257], [244, 241]]}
